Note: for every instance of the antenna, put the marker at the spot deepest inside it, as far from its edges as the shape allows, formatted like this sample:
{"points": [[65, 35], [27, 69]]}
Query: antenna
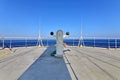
{"points": [[81, 41]]}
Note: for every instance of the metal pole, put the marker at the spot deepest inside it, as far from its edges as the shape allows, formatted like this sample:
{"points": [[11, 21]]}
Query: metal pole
{"points": [[47, 42], [26, 42], [108, 43], [10, 43], [115, 43], [3, 45], [73, 42], [94, 41]]}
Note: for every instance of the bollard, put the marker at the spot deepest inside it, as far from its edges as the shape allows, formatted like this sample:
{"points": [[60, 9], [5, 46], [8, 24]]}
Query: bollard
{"points": [[59, 42]]}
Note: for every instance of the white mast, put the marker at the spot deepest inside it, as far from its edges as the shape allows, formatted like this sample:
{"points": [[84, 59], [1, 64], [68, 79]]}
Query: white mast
{"points": [[81, 41], [39, 43], [40, 40]]}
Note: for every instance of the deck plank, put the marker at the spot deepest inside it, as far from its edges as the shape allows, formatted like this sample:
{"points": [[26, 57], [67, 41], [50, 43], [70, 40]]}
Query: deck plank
{"points": [[94, 63]]}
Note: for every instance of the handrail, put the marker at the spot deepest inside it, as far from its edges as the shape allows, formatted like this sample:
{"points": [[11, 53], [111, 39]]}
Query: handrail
{"points": [[10, 42]]}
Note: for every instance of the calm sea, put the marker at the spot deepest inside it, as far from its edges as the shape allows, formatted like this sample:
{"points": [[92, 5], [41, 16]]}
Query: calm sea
{"points": [[105, 43]]}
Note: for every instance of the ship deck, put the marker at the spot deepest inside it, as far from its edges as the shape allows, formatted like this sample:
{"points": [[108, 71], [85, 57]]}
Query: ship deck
{"points": [[77, 64], [93, 63]]}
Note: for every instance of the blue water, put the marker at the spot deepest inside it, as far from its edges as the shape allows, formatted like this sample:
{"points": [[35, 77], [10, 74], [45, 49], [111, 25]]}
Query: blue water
{"points": [[87, 42]]}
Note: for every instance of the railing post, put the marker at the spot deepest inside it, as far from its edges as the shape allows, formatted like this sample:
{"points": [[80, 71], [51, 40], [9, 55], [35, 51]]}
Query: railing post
{"points": [[10, 43], [115, 43], [108, 43], [47, 42], [26, 42], [94, 41], [73, 42], [3, 45]]}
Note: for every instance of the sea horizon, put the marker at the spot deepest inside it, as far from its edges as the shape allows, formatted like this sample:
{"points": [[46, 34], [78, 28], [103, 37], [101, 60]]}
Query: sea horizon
{"points": [[104, 43]]}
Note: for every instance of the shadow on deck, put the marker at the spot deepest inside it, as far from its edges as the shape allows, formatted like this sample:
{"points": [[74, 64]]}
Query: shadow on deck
{"points": [[47, 67]]}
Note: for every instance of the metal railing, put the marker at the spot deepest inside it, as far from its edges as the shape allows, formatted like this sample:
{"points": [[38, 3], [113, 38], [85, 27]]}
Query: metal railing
{"points": [[49, 41]]}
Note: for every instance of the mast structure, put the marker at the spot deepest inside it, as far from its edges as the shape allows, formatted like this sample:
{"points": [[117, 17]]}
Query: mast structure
{"points": [[39, 42], [81, 41]]}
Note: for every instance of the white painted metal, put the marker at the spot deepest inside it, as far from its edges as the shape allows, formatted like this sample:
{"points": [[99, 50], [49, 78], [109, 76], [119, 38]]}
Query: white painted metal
{"points": [[59, 45], [3, 43], [39, 43], [81, 41]]}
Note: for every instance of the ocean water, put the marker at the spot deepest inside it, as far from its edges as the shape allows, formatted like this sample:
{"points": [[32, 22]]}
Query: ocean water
{"points": [[105, 43]]}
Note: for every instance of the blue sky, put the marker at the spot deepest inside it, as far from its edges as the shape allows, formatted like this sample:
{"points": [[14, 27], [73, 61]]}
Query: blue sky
{"points": [[26, 17]]}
